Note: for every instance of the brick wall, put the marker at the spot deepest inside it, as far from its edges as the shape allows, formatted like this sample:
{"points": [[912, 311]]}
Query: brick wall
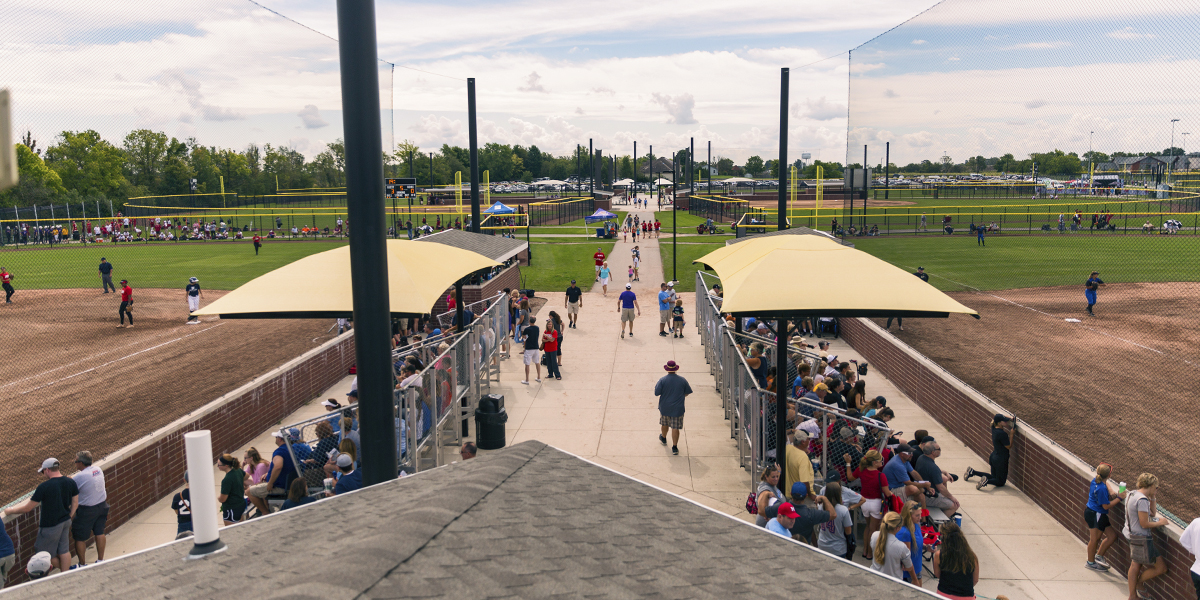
{"points": [[1052, 477], [144, 472]]}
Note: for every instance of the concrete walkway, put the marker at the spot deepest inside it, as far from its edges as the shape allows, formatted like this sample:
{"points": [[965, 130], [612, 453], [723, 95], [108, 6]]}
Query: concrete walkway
{"points": [[605, 410]]}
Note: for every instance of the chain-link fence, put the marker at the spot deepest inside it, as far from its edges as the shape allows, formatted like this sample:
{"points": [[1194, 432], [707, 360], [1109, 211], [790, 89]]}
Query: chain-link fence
{"points": [[432, 407], [836, 436]]}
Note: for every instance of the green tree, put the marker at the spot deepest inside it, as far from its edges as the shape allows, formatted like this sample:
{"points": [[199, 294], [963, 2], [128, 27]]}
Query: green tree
{"points": [[145, 153], [724, 166], [754, 165], [87, 163], [831, 170], [533, 161], [38, 182]]}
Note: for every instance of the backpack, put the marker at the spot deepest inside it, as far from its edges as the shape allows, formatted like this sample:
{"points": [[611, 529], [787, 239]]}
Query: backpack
{"points": [[862, 368], [752, 504]]}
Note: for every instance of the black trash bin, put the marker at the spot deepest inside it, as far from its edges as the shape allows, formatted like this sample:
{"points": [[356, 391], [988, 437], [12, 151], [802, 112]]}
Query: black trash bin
{"points": [[489, 422]]}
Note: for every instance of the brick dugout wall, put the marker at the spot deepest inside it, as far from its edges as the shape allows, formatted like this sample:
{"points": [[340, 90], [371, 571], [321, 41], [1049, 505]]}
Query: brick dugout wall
{"points": [[145, 471], [1052, 477]]}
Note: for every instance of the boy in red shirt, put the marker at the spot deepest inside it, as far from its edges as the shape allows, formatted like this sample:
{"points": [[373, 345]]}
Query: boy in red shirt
{"points": [[126, 304], [599, 258]]}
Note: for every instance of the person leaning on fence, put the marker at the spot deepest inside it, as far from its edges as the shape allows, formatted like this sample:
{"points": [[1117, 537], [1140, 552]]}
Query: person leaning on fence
{"points": [[8, 554], [1002, 429], [798, 465], [767, 494], [58, 498], [1141, 519], [1101, 533]]}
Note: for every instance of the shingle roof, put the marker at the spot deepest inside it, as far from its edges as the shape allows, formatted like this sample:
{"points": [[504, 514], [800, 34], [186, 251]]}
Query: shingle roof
{"points": [[791, 231], [495, 247], [528, 521]]}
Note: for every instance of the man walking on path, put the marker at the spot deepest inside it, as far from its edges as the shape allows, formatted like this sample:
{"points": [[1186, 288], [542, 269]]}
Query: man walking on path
{"points": [[664, 308], [671, 390], [106, 270], [573, 302], [626, 303], [599, 258]]}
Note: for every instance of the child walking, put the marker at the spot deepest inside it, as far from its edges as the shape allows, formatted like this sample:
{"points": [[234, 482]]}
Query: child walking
{"points": [[630, 273]]}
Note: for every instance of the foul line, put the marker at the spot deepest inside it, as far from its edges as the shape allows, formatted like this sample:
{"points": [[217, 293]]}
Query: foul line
{"points": [[116, 360], [1030, 308]]}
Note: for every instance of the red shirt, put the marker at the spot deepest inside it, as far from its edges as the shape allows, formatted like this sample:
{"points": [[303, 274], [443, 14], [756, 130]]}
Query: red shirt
{"points": [[872, 488], [5, 277], [257, 239], [550, 341], [657, 225], [126, 294], [599, 256]]}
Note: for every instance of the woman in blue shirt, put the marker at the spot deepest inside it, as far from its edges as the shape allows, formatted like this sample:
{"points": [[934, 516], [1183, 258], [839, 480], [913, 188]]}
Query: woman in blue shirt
{"points": [[1095, 514], [910, 534]]}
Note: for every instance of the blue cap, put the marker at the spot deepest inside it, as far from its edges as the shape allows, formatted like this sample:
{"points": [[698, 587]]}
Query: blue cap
{"points": [[437, 332], [294, 433], [750, 321], [799, 489]]}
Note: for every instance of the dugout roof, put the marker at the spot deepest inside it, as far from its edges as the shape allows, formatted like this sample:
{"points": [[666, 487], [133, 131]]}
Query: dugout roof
{"points": [[318, 286], [778, 276], [495, 247]]}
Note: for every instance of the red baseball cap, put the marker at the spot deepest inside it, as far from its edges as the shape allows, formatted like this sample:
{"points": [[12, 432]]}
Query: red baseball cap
{"points": [[787, 510]]}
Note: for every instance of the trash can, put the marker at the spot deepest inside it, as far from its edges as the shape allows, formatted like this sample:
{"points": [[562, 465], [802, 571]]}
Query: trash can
{"points": [[599, 232], [489, 422]]}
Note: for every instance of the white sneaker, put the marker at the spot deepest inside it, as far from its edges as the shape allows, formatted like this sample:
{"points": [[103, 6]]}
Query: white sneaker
{"points": [[538, 380], [524, 383]]}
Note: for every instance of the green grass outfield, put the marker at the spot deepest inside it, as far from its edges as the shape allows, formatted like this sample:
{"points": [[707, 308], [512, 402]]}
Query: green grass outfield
{"points": [[555, 265], [218, 265], [1009, 262], [688, 249]]}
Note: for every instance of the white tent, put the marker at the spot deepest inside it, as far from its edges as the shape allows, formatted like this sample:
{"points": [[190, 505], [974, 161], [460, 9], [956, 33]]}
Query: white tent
{"points": [[550, 182], [662, 181], [735, 180], [623, 182]]}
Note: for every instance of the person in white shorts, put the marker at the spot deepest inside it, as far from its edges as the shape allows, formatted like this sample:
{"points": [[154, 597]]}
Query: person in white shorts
{"points": [[193, 293], [533, 340], [605, 275]]}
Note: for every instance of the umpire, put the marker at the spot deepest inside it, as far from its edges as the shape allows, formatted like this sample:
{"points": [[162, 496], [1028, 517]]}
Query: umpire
{"points": [[106, 270]]}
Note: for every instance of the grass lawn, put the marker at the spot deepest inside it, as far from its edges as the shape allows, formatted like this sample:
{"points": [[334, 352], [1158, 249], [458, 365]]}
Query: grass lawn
{"points": [[580, 224], [555, 265], [1009, 262], [686, 253], [219, 265]]}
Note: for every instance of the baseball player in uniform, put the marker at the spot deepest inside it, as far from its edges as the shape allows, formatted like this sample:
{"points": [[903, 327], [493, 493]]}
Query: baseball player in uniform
{"points": [[126, 304], [257, 243], [193, 293], [6, 279], [1093, 283]]}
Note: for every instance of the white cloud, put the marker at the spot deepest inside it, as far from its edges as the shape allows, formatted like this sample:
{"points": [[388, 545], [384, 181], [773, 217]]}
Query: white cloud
{"points": [[820, 110], [311, 117], [1037, 46], [1035, 104], [890, 93], [1129, 33], [604, 90], [919, 42], [178, 81], [533, 83], [678, 107]]}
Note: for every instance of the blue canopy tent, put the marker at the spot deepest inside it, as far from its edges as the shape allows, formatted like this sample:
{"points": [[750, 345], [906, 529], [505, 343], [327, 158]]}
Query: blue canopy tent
{"points": [[499, 208], [600, 216]]}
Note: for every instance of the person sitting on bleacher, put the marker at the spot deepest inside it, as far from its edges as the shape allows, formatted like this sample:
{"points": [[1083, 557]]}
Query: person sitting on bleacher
{"points": [[327, 440], [279, 476], [929, 471], [351, 478]]}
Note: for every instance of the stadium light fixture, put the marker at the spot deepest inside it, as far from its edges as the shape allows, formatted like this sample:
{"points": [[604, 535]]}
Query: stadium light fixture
{"points": [[8, 152]]}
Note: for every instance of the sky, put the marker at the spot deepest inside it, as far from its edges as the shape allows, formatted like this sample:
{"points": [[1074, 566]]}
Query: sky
{"points": [[548, 73], [988, 77]]}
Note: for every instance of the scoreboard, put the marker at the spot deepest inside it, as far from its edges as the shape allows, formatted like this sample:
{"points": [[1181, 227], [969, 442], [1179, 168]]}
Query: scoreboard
{"points": [[404, 187]]}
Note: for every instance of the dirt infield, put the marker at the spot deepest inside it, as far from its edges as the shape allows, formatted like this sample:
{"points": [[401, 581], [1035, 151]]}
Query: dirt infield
{"points": [[1115, 388], [73, 381]]}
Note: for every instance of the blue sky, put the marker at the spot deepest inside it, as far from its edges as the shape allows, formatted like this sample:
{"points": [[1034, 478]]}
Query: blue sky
{"points": [[549, 73]]}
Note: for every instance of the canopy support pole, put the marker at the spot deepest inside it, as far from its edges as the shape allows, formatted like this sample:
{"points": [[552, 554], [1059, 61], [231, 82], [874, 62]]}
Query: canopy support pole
{"points": [[781, 218], [458, 307], [357, 48], [781, 361]]}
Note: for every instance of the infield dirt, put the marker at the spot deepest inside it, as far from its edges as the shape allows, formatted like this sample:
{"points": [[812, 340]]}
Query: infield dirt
{"points": [[73, 381], [1114, 388]]}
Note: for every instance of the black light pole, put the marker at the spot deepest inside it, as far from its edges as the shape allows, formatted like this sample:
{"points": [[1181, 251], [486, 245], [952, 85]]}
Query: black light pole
{"points": [[866, 186], [633, 188], [887, 169], [591, 169], [710, 167], [650, 172], [368, 246], [576, 164], [781, 354], [474, 172], [783, 136]]}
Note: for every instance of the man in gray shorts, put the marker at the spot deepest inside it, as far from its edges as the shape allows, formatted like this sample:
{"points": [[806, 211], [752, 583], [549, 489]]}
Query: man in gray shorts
{"points": [[92, 516], [626, 304], [59, 498]]}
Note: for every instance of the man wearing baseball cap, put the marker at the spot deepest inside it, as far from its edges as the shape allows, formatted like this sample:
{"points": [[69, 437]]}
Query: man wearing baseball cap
{"points": [[350, 479], [193, 293], [671, 390], [58, 498], [1089, 290], [626, 303], [126, 304], [280, 474], [798, 466], [573, 302], [782, 524]]}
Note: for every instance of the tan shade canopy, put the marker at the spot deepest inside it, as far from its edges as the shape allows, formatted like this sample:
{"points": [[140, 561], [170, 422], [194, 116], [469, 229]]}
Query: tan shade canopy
{"points": [[782, 276], [318, 286], [736, 180]]}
